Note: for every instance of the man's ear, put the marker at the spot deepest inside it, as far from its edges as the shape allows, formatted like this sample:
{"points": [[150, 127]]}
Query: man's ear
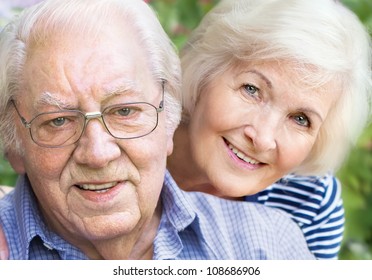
{"points": [[169, 144], [16, 161]]}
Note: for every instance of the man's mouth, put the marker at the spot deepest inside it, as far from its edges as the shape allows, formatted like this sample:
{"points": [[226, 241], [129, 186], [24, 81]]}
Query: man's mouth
{"points": [[97, 187], [242, 156]]}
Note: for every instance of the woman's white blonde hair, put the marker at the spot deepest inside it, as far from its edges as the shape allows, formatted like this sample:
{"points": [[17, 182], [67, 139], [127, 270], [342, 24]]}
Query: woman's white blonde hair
{"points": [[326, 40]]}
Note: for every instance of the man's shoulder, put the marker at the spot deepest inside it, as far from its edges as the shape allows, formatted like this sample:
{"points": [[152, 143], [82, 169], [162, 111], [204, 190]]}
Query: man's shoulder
{"points": [[255, 230], [8, 219], [212, 205], [8, 208], [7, 203], [237, 217], [216, 228]]}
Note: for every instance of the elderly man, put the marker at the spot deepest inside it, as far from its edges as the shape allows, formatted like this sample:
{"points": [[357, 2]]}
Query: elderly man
{"points": [[89, 103]]}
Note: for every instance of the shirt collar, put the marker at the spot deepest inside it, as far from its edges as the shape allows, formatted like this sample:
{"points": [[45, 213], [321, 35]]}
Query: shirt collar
{"points": [[190, 212], [176, 204], [178, 214]]}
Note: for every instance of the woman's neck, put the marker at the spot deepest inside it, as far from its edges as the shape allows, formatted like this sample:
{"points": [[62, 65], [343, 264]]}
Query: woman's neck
{"points": [[182, 165]]}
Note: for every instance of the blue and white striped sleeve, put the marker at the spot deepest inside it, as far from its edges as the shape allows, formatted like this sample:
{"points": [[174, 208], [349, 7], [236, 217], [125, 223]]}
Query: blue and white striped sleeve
{"points": [[316, 205]]}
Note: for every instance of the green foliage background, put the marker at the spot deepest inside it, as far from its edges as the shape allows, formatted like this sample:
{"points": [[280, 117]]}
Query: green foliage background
{"points": [[179, 17]]}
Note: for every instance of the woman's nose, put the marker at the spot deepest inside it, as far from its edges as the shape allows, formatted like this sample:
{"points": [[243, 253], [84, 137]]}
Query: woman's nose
{"points": [[262, 131]]}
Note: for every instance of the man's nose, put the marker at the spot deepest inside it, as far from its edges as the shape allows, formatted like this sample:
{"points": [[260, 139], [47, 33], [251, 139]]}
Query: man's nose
{"points": [[96, 147]]}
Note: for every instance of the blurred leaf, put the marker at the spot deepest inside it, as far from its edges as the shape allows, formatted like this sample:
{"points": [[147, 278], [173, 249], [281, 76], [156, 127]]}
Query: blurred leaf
{"points": [[356, 179], [7, 174]]}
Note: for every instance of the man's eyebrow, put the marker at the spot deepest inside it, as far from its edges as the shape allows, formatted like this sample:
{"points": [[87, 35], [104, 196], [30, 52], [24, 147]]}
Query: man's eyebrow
{"points": [[119, 90], [130, 88], [47, 98]]}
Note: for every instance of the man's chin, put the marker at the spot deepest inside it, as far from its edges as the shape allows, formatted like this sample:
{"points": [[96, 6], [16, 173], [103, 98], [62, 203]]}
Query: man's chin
{"points": [[105, 227]]}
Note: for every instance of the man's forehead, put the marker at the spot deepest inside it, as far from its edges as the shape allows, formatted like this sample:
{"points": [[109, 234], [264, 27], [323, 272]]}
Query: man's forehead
{"points": [[124, 88]]}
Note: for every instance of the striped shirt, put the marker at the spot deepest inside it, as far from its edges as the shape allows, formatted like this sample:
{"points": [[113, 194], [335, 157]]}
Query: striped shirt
{"points": [[192, 226], [315, 204]]}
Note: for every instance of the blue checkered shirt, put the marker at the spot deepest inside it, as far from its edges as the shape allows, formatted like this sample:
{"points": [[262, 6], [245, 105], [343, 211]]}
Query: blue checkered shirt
{"points": [[193, 226]]}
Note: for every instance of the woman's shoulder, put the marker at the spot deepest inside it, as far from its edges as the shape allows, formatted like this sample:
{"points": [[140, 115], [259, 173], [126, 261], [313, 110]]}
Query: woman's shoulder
{"points": [[314, 188], [304, 197]]}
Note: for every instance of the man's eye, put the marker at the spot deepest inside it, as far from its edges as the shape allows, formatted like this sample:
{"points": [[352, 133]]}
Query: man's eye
{"points": [[126, 111], [302, 120], [251, 89], [58, 121]]}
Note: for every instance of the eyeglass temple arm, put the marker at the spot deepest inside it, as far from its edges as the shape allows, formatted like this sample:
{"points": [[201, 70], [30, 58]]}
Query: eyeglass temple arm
{"points": [[161, 105], [23, 120]]}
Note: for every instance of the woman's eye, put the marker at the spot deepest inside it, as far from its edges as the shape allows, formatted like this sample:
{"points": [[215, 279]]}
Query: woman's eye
{"points": [[251, 89], [302, 120]]}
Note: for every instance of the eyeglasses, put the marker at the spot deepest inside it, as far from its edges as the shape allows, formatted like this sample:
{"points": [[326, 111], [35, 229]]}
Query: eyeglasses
{"points": [[65, 127]]}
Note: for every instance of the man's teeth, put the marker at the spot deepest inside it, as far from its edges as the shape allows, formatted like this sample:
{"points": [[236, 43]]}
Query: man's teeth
{"points": [[100, 187], [242, 156]]}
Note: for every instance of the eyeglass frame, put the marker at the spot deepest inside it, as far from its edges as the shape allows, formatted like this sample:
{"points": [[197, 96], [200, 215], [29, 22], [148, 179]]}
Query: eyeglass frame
{"points": [[92, 115]]}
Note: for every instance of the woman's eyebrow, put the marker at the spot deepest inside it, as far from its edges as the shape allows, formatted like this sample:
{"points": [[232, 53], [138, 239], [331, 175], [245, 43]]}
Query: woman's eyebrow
{"points": [[262, 76], [311, 111]]}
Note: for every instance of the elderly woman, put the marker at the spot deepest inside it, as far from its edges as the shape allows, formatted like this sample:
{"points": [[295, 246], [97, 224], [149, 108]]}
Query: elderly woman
{"points": [[275, 88]]}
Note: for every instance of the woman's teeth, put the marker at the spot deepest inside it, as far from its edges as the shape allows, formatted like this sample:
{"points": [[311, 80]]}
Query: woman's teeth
{"points": [[242, 156]]}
